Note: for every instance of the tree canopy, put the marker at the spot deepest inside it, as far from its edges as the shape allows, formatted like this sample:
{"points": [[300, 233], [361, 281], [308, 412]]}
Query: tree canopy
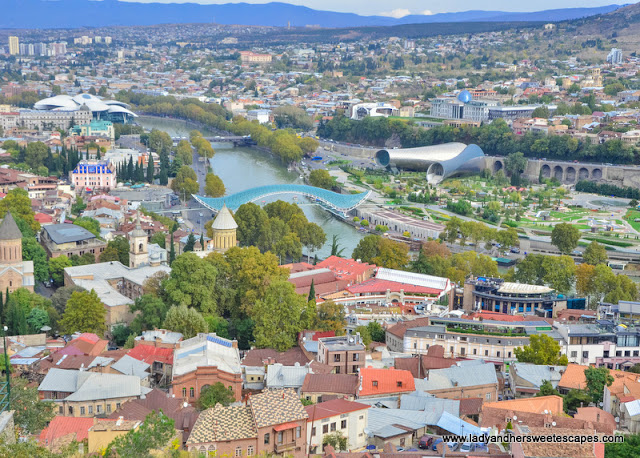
{"points": [[84, 313], [542, 350]]}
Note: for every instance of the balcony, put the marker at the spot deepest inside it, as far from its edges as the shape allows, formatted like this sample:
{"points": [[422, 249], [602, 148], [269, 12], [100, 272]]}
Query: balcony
{"points": [[285, 447]]}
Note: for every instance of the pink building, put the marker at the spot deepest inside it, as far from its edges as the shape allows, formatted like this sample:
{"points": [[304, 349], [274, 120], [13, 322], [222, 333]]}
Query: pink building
{"points": [[94, 174]]}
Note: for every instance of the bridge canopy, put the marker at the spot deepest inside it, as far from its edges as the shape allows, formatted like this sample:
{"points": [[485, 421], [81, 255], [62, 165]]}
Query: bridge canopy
{"points": [[338, 202]]}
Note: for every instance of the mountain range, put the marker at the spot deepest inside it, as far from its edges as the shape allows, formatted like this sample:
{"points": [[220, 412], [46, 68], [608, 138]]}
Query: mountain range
{"points": [[26, 14]]}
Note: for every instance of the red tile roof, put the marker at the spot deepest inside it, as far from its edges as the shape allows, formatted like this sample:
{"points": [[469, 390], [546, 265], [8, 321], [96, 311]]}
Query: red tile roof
{"points": [[333, 408], [374, 285], [149, 354], [346, 384], [43, 218], [260, 357], [61, 426], [346, 269], [385, 381]]}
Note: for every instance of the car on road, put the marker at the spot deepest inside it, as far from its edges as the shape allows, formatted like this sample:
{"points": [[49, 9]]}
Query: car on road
{"points": [[434, 444], [452, 446], [466, 447], [515, 249]]}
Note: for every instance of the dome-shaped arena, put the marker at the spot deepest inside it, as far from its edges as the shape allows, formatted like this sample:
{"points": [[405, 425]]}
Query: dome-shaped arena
{"points": [[106, 110]]}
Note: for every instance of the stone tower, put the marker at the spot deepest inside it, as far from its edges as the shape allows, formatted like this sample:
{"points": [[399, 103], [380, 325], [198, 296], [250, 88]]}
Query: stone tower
{"points": [[224, 231], [138, 253], [10, 241]]}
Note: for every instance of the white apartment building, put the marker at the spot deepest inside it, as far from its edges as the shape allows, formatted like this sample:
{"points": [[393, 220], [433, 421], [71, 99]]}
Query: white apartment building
{"points": [[347, 417]]}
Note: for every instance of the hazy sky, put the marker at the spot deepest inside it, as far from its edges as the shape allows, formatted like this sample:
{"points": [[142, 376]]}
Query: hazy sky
{"points": [[399, 8]]}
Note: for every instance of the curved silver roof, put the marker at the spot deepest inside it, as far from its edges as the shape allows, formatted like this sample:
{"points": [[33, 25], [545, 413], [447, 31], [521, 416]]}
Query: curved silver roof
{"points": [[95, 104], [439, 161]]}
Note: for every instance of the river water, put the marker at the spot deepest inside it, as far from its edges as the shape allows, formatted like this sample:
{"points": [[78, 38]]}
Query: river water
{"points": [[244, 168]]}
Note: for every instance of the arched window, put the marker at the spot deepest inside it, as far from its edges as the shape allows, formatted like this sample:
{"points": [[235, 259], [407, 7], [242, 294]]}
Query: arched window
{"points": [[184, 392], [191, 392], [140, 247]]}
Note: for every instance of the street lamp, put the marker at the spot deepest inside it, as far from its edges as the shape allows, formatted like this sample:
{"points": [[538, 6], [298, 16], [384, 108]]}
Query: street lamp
{"points": [[6, 368]]}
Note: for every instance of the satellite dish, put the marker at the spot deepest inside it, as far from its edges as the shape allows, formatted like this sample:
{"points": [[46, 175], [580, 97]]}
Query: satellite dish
{"points": [[553, 423], [515, 417]]}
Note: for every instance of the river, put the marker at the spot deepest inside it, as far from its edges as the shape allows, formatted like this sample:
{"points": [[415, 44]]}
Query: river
{"points": [[243, 168]]}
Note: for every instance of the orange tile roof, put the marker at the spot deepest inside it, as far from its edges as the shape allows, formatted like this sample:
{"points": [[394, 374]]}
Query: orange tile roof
{"points": [[573, 377], [61, 426], [538, 404], [385, 381]]}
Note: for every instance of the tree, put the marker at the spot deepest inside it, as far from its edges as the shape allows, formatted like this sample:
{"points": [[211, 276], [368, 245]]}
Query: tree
{"points": [[335, 440], [36, 319], [184, 152], [277, 316], [320, 178], [565, 237], [330, 317], [90, 224], [291, 116], [60, 298], [576, 398], [17, 201], [215, 394], [547, 389], [36, 154], [376, 331], [192, 282], [153, 312], [559, 272], [30, 413], [515, 164], [56, 269], [595, 254], [382, 252], [33, 251], [121, 245], [185, 183], [84, 313], [150, 169], [16, 317], [364, 334], [253, 225], [185, 320], [120, 334], [542, 349], [155, 433], [213, 187], [110, 254], [159, 141], [597, 379], [541, 112], [336, 249], [191, 242]]}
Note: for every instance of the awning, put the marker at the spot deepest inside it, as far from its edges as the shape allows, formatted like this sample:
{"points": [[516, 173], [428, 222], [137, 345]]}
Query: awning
{"points": [[284, 426]]}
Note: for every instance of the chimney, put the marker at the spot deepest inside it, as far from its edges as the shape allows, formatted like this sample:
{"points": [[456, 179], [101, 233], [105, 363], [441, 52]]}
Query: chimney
{"points": [[234, 343]]}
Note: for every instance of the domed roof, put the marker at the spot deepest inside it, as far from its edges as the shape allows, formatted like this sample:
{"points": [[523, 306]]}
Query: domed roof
{"points": [[464, 96], [224, 220]]}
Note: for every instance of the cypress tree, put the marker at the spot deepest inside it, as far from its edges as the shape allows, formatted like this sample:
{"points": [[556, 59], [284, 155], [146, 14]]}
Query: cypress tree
{"points": [[202, 241], [140, 172], [312, 292], [150, 169], [130, 169], [1, 310], [172, 252], [191, 241]]}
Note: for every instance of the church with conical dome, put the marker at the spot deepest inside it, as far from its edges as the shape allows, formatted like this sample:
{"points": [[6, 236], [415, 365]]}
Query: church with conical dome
{"points": [[14, 272], [224, 231]]}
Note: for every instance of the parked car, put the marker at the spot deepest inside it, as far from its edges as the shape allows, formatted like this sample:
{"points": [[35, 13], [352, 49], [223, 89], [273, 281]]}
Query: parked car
{"points": [[452, 446], [434, 444], [467, 447], [515, 250], [425, 442]]}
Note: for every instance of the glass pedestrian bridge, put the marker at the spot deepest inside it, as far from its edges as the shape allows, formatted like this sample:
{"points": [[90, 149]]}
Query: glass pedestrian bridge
{"points": [[332, 201]]}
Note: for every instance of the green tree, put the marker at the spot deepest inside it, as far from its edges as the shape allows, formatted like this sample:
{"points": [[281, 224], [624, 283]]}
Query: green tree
{"points": [[335, 440], [185, 320], [595, 254], [121, 245], [184, 152], [16, 317], [17, 201], [159, 238], [277, 316], [150, 169], [36, 154], [336, 249], [597, 379], [364, 334], [565, 237], [320, 178], [33, 251], [56, 269], [547, 389], [110, 254], [542, 349], [190, 244], [90, 224], [376, 331], [36, 319], [576, 398], [382, 252], [185, 183], [84, 313], [30, 413], [213, 187], [121, 334], [130, 342], [192, 282], [153, 312], [515, 164], [541, 112], [155, 433], [330, 317], [291, 116], [60, 298], [215, 394], [159, 141]]}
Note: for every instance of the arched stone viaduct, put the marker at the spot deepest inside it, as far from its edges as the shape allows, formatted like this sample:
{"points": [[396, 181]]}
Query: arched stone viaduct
{"points": [[572, 172]]}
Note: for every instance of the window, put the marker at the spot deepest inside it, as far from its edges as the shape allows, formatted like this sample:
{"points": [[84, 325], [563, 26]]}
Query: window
{"points": [[336, 358], [184, 392], [61, 410], [313, 431], [108, 408], [337, 369], [627, 353], [267, 438], [462, 351], [191, 392], [333, 426], [451, 349], [117, 405], [488, 396], [90, 410], [98, 408], [280, 436], [509, 355], [250, 450], [356, 357], [399, 384], [355, 369], [343, 424], [498, 354], [618, 353], [298, 432], [475, 351], [238, 451], [486, 353], [635, 352], [375, 383], [325, 429], [81, 410], [574, 354], [361, 417]]}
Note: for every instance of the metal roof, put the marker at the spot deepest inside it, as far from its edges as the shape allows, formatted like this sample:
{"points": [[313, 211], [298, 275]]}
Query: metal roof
{"points": [[454, 425], [279, 376], [341, 202], [224, 220], [67, 233]]}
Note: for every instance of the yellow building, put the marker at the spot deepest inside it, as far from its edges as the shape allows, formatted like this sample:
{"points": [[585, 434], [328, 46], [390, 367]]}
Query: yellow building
{"points": [[224, 231], [14, 46]]}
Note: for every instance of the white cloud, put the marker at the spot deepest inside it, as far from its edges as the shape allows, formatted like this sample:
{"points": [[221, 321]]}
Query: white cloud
{"points": [[426, 12], [397, 13]]}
